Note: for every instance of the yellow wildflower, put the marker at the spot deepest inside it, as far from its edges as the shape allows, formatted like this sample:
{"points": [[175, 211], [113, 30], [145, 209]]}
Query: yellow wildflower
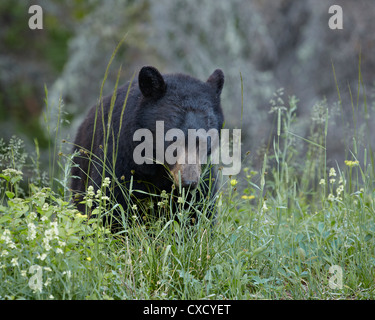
{"points": [[81, 216], [233, 182], [245, 197], [351, 164]]}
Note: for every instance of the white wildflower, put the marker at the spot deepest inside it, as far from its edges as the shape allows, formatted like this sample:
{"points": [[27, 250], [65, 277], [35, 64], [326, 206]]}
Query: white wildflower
{"points": [[32, 215], [4, 253], [62, 243], [105, 198], [106, 182], [332, 172], [32, 231], [7, 239], [14, 262], [340, 189], [11, 172], [42, 257], [46, 244], [6, 236], [54, 230], [90, 191], [89, 202], [264, 207], [48, 281]]}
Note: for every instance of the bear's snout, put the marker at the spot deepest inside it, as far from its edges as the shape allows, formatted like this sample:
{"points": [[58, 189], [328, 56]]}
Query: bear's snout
{"points": [[186, 174], [190, 184]]}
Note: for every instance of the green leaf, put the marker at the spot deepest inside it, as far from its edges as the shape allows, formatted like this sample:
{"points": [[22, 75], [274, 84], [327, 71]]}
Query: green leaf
{"points": [[5, 219], [301, 253], [15, 179], [320, 227], [9, 194], [259, 250], [4, 177], [166, 254]]}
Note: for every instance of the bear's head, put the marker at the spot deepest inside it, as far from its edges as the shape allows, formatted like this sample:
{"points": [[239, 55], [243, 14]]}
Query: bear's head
{"points": [[184, 118]]}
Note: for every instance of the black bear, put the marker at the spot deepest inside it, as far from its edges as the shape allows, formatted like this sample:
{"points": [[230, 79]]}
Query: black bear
{"points": [[110, 138]]}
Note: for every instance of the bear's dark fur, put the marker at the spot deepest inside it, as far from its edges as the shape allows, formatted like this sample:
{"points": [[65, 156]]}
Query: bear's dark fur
{"points": [[179, 100]]}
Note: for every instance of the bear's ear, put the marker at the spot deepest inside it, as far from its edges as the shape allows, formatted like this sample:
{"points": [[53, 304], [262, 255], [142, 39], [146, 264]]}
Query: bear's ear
{"points": [[151, 83], [216, 80]]}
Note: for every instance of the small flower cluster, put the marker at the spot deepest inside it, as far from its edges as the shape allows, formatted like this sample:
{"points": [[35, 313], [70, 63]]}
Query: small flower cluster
{"points": [[277, 102], [49, 235], [332, 179], [89, 196], [99, 197], [9, 173], [11, 176], [264, 207], [18, 252], [352, 164], [180, 200], [164, 200], [249, 173], [6, 237], [41, 239], [37, 235], [332, 174]]}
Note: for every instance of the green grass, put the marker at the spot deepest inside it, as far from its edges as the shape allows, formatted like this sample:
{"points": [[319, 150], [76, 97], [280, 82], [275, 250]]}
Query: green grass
{"points": [[277, 248], [278, 233]]}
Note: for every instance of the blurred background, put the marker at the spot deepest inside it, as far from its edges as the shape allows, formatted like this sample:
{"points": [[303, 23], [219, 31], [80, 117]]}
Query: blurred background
{"points": [[271, 44]]}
